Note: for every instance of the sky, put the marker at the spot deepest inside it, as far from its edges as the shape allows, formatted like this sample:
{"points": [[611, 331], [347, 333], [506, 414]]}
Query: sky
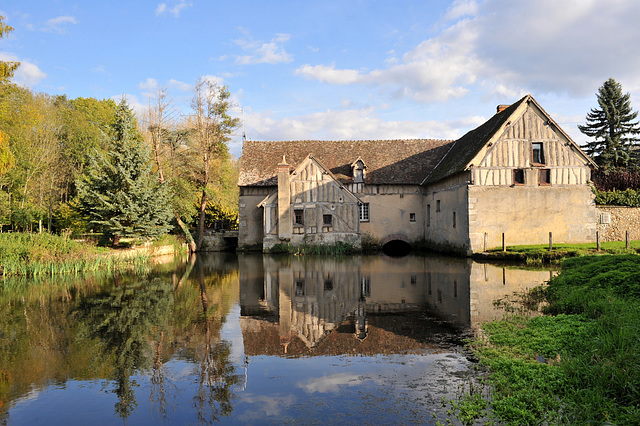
{"points": [[334, 69]]}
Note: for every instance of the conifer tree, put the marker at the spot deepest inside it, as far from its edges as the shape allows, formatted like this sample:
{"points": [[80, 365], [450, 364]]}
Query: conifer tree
{"points": [[612, 126], [120, 195]]}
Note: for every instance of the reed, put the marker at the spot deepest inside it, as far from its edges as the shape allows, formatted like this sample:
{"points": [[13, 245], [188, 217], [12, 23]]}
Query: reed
{"points": [[33, 255]]}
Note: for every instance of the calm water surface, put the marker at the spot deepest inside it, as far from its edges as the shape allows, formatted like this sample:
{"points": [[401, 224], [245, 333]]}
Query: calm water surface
{"points": [[248, 339]]}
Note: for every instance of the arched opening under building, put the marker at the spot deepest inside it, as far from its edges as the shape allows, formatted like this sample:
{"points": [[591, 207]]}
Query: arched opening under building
{"points": [[397, 248]]}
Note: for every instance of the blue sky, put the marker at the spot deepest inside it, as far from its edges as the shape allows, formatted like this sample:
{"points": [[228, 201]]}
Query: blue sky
{"points": [[335, 69]]}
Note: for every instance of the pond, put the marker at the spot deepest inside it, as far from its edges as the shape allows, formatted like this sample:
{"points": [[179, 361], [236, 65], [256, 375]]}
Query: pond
{"points": [[248, 339]]}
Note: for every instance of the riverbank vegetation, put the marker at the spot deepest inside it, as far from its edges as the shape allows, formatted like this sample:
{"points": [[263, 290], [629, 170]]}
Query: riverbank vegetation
{"points": [[540, 253], [577, 364], [33, 255], [80, 165], [338, 248]]}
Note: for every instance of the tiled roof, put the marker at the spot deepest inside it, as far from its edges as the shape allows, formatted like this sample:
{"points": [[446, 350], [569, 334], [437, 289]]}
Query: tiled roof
{"points": [[464, 149], [387, 161]]}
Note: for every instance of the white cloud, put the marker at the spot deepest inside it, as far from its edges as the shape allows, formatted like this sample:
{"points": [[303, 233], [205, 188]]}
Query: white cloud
{"points": [[161, 8], [60, 24], [148, 84], [182, 86], [175, 10], [504, 48], [271, 52], [28, 74], [329, 74], [349, 124]]}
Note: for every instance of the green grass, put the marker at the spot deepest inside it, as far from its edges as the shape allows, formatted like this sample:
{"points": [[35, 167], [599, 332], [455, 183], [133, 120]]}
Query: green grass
{"points": [[32, 255], [339, 248], [580, 363], [539, 253]]}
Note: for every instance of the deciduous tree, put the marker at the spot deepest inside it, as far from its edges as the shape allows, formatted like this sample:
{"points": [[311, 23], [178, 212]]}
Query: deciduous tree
{"points": [[7, 68], [613, 126], [211, 127]]}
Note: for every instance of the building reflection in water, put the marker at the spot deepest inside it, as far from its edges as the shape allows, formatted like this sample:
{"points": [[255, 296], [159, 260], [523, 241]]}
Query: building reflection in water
{"points": [[304, 306]]}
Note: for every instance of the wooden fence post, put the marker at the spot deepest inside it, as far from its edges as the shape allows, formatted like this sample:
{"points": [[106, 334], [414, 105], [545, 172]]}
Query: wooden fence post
{"points": [[550, 241], [598, 240], [504, 245], [626, 238]]}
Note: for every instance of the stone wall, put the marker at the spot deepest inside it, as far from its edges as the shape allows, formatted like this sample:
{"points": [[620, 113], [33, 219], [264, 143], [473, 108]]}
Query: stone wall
{"points": [[614, 221]]}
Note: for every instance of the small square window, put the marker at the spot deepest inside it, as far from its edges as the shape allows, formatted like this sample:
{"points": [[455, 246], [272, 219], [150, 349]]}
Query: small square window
{"points": [[327, 219], [412, 217], [518, 177], [298, 217], [545, 177]]}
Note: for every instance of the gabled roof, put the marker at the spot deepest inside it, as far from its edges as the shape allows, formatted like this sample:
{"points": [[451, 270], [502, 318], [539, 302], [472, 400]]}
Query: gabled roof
{"points": [[388, 161], [464, 150]]}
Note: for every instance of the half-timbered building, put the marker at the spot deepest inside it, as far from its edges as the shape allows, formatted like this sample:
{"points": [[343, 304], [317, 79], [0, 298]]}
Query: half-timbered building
{"points": [[518, 175]]}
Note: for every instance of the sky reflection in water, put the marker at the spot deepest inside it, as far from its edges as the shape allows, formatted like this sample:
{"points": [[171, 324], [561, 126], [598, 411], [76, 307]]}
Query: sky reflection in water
{"points": [[249, 339]]}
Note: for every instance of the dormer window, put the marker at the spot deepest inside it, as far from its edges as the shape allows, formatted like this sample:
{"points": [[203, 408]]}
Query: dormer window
{"points": [[358, 171]]}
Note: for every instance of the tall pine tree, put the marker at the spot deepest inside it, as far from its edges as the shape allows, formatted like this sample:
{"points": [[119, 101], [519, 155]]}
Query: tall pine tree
{"points": [[613, 127], [120, 194]]}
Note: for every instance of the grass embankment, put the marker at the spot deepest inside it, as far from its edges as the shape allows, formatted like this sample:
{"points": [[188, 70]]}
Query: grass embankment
{"points": [[338, 248], [29, 255], [540, 253], [578, 364]]}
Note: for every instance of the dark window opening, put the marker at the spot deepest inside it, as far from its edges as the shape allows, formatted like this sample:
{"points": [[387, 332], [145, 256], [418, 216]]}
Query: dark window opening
{"points": [[437, 205], [298, 217], [327, 219], [328, 285], [428, 214], [300, 288], [537, 153], [412, 217], [518, 177], [454, 219], [545, 177]]}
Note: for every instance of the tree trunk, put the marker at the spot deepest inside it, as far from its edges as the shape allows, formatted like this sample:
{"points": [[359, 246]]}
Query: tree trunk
{"points": [[203, 207], [187, 234]]}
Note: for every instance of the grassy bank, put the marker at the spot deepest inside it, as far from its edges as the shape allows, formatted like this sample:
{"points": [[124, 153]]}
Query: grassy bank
{"points": [[540, 253], [23, 254], [578, 364], [339, 248]]}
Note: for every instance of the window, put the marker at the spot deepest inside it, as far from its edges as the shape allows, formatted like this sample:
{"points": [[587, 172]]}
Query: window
{"points": [[327, 219], [545, 177], [298, 217], [414, 280], [412, 217], [299, 287], [454, 219], [365, 286], [428, 214], [364, 212], [437, 205], [518, 177], [537, 153]]}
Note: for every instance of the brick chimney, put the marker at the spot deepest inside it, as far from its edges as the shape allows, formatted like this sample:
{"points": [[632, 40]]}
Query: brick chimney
{"points": [[501, 108], [285, 224]]}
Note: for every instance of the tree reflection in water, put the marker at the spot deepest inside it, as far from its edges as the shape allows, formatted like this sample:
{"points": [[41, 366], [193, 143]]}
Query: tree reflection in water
{"points": [[217, 374], [123, 319]]}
